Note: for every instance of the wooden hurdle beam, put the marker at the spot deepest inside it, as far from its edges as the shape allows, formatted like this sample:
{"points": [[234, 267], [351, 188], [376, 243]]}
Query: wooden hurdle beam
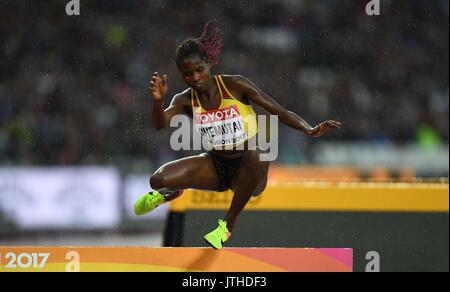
{"points": [[148, 259], [318, 196]]}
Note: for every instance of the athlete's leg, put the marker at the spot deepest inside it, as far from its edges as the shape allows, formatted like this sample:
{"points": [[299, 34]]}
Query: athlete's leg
{"points": [[169, 181], [261, 187], [251, 179], [195, 172]]}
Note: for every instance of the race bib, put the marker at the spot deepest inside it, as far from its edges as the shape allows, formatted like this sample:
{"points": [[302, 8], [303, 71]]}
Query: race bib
{"points": [[222, 127]]}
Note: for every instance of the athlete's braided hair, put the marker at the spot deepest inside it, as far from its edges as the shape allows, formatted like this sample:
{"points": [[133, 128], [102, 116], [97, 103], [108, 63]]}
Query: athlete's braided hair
{"points": [[207, 46]]}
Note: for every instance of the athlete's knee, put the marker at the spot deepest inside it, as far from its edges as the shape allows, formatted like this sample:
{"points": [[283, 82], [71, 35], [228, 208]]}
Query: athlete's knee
{"points": [[260, 188], [157, 181]]}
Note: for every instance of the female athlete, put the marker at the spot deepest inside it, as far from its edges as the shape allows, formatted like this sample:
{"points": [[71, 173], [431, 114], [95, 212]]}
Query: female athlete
{"points": [[220, 106]]}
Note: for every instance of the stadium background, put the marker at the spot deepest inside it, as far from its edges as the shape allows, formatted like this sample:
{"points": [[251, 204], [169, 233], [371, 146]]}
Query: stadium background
{"points": [[76, 142]]}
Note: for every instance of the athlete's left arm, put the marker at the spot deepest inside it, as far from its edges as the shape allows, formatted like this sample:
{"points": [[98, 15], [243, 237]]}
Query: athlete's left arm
{"points": [[291, 119]]}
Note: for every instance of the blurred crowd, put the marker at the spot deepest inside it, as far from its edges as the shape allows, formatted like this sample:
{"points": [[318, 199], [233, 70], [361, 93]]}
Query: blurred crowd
{"points": [[74, 89]]}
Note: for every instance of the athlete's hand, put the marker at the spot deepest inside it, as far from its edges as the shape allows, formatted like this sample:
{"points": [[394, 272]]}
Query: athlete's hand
{"points": [[158, 86], [324, 127]]}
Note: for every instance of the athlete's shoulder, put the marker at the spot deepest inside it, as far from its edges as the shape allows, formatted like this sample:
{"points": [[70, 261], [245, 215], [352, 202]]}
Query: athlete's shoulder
{"points": [[183, 97], [183, 100], [236, 81], [233, 78]]}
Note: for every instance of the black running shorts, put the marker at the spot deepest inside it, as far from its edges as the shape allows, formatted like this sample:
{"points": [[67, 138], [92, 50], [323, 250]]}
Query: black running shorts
{"points": [[225, 168]]}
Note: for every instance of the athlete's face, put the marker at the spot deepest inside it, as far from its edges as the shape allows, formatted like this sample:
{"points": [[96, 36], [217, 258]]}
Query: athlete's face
{"points": [[195, 73]]}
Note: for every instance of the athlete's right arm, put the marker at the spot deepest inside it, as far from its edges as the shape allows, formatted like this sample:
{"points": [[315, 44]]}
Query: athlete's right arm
{"points": [[158, 89]]}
